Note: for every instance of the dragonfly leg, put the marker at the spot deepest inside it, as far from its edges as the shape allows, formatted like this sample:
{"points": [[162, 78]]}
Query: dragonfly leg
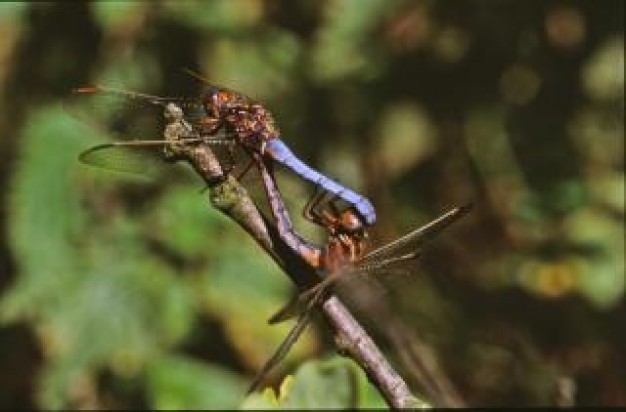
{"points": [[332, 205], [311, 212], [241, 174], [322, 209]]}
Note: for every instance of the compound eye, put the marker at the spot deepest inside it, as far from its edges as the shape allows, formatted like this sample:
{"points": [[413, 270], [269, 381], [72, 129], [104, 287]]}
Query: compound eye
{"points": [[350, 221], [222, 97]]}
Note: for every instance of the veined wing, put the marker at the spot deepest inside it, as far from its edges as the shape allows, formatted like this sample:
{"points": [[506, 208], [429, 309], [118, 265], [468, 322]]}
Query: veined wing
{"points": [[394, 258], [124, 114], [138, 157], [283, 348], [412, 242], [303, 306], [398, 265], [391, 258], [136, 122]]}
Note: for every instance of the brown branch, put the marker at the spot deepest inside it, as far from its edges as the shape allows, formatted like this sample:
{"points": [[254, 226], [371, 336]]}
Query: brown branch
{"points": [[232, 199], [417, 357]]}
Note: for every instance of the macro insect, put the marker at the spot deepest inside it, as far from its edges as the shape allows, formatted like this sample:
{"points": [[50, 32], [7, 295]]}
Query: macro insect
{"points": [[223, 118], [345, 255], [243, 122]]}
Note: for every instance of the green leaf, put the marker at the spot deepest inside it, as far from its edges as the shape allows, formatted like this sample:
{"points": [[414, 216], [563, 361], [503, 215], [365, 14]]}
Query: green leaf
{"points": [[177, 382], [222, 15], [335, 383], [118, 14], [243, 289], [46, 221], [184, 221], [97, 297], [342, 49]]}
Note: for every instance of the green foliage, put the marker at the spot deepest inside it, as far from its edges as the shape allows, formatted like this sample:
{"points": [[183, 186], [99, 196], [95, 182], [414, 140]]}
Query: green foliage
{"points": [[225, 16], [47, 218], [128, 287], [344, 48], [175, 382], [97, 294], [335, 383], [601, 277], [11, 10]]}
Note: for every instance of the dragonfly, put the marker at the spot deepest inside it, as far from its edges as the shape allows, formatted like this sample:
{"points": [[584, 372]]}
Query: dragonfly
{"points": [[345, 255], [244, 123], [179, 141]]}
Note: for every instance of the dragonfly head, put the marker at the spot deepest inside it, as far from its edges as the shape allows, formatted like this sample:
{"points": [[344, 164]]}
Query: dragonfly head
{"points": [[215, 100], [349, 230], [351, 224]]}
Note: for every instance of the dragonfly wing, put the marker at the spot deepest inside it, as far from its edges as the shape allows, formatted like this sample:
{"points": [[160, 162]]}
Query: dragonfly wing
{"points": [[414, 240], [139, 161], [397, 257], [289, 311], [403, 264], [308, 298], [128, 118], [400, 256], [283, 349], [118, 115], [303, 304]]}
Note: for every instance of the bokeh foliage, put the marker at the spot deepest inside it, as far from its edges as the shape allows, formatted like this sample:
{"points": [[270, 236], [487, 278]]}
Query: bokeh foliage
{"points": [[122, 293]]}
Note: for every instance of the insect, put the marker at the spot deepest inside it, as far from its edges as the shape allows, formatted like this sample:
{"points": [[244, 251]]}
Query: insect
{"points": [[344, 255], [181, 142], [247, 124]]}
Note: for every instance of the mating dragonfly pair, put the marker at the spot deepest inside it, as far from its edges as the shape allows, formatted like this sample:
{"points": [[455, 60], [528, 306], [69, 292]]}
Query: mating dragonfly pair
{"points": [[224, 118]]}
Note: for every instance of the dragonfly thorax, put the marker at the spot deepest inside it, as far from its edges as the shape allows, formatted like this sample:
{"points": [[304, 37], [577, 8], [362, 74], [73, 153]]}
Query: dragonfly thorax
{"points": [[341, 250], [218, 102]]}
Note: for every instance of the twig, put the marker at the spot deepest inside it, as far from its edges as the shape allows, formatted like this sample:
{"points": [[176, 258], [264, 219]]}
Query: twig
{"points": [[228, 196], [417, 357], [352, 340]]}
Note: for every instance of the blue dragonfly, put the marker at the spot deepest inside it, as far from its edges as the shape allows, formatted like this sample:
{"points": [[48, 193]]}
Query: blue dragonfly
{"points": [[239, 122], [344, 255]]}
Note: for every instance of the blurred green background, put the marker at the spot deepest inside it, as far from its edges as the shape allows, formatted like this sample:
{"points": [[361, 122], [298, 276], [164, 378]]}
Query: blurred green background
{"points": [[119, 294]]}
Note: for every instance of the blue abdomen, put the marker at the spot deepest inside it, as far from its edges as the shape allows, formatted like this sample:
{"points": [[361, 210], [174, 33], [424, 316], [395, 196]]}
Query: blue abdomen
{"points": [[279, 152]]}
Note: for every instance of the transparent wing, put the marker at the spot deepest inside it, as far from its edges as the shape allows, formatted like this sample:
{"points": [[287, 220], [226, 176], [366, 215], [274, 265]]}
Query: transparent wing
{"points": [[398, 257], [413, 241], [283, 349], [122, 115], [135, 122], [397, 266], [141, 161]]}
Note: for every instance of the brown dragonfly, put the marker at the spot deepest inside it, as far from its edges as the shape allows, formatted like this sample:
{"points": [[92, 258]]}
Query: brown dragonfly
{"points": [[345, 255]]}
